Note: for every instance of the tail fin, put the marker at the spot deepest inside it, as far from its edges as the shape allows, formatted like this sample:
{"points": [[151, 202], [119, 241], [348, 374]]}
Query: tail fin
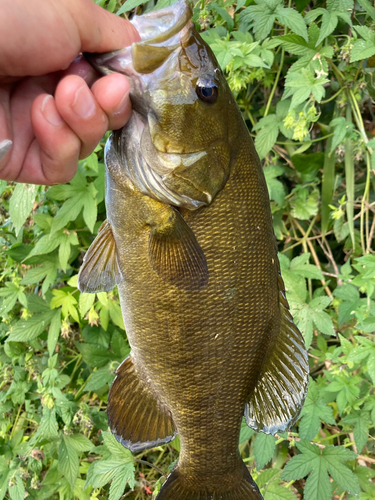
{"points": [[178, 487]]}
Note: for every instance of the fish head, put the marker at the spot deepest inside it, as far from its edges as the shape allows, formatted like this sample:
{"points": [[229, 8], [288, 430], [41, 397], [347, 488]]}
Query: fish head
{"points": [[181, 103]]}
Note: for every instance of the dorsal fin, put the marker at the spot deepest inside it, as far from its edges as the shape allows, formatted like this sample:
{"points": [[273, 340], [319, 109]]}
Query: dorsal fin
{"points": [[100, 271]]}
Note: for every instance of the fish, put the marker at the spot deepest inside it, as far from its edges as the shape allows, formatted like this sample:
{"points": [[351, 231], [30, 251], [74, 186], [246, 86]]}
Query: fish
{"points": [[189, 243]]}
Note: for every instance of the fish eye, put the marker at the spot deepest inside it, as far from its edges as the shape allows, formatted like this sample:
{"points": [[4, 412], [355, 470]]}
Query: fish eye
{"points": [[207, 92]]}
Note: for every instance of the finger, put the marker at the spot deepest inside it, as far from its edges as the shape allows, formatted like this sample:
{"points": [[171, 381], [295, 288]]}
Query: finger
{"points": [[111, 32], [5, 127], [81, 111], [82, 68], [52, 157], [112, 94]]}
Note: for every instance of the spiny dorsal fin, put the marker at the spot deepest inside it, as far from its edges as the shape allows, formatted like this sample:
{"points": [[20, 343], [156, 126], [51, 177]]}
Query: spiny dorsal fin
{"points": [[100, 271], [175, 255], [135, 417], [278, 398]]}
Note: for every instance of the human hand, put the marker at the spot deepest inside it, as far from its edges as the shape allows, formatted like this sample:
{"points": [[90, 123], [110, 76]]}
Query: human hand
{"points": [[49, 116]]}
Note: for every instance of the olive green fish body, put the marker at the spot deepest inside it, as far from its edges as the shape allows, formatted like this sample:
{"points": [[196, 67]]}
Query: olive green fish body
{"points": [[201, 293]]}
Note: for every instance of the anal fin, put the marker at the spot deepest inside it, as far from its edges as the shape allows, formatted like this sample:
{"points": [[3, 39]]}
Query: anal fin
{"points": [[278, 398], [100, 271], [135, 417]]}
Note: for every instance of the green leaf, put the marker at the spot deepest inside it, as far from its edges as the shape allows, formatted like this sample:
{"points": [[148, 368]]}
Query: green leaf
{"points": [[264, 448], [266, 138], [54, 332], [366, 5], [68, 212], [68, 460], [95, 355], [361, 422], [86, 301], [276, 189], [46, 272], [119, 482], [26, 330], [79, 442], [98, 379], [17, 490], [21, 203], [329, 23], [277, 492], [90, 210], [224, 14], [48, 427], [315, 409], [293, 20], [319, 463], [263, 20], [342, 129], [318, 486], [129, 5], [363, 49], [66, 301], [116, 449], [246, 433]]}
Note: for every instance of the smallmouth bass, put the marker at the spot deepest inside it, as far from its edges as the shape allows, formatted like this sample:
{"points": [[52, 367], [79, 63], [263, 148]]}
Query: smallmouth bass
{"points": [[190, 244]]}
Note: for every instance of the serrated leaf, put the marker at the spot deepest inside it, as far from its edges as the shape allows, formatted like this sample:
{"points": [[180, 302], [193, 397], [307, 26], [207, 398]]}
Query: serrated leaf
{"points": [[266, 138], [318, 486], [80, 442], [98, 379], [17, 490], [329, 23], [26, 330], [315, 409], [48, 427], [116, 448], [21, 203], [293, 20], [264, 448], [277, 492], [68, 460], [362, 49]]}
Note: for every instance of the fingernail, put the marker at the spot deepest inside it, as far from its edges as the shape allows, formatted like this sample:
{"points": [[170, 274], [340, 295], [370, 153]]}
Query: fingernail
{"points": [[122, 105], [50, 112], [5, 146], [84, 104]]}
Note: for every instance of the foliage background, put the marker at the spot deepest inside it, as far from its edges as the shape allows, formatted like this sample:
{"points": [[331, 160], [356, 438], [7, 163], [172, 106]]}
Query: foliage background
{"points": [[302, 74]]}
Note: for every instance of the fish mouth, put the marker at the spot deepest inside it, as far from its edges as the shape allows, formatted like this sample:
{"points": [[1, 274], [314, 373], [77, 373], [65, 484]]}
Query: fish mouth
{"points": [[161, 33]]}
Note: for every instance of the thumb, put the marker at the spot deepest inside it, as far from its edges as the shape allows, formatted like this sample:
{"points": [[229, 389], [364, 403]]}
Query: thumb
{"points": [[101, 31]]}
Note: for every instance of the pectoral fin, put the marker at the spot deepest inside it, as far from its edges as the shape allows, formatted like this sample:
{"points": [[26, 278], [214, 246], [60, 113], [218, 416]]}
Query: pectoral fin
{"points": [[175, 254], [100, 271], [278, 398], [135, 416]]}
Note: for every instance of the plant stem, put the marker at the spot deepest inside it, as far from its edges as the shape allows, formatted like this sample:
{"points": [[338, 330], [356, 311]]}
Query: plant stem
{"points": [[275, 83]]}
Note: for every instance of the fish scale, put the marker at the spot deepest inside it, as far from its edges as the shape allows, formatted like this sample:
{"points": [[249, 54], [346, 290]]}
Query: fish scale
{"points": [[199, 280]]}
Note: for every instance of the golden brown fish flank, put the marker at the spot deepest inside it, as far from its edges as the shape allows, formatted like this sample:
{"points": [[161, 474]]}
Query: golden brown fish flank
{"points": [[189, 241]]}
